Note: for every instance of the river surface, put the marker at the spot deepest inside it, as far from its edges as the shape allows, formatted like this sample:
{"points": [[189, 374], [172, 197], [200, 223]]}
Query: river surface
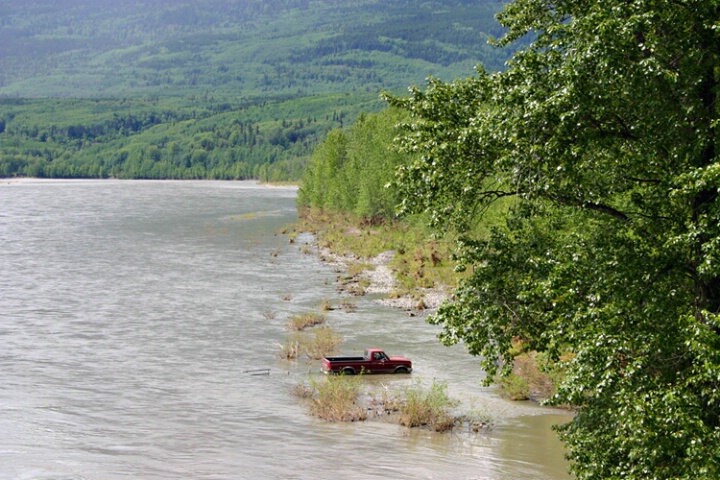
{"points": [[132, 316]]}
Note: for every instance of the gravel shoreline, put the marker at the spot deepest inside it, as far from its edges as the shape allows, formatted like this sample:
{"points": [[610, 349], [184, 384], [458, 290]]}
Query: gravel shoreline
{"points": [[380, 280]]}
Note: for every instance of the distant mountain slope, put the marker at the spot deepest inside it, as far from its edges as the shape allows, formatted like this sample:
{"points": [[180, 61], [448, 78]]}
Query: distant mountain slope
{"points": [[90, 48]]}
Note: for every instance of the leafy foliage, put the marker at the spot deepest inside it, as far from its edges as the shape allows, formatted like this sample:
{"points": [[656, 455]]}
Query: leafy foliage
{"points": [[604, 134], [348, 171]]}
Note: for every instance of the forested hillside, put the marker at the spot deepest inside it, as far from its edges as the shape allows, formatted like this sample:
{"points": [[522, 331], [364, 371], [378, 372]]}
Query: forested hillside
{"points": [[217, 88], [82, 48]]}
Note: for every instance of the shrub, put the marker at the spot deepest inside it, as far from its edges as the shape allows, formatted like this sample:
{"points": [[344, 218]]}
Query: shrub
{"points": [[302, 391], [290, 349], [305, 320], [429, 408], [335, 399], [515, 387], [534, 376], [324, 341]]}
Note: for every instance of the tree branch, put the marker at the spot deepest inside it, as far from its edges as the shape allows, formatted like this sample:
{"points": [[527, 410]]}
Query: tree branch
{"points": [[597, 207]]}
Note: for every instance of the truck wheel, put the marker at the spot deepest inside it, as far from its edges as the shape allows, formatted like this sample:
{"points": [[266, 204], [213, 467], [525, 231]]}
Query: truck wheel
{"points": [[402, 370], [348, 371]]}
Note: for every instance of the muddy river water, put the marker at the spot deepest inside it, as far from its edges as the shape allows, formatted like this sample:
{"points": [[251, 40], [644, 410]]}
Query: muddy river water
{"points": [[133, 313]]}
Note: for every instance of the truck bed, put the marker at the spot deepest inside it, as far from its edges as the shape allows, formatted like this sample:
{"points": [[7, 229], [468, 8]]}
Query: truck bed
{"points": [[347, 359]]}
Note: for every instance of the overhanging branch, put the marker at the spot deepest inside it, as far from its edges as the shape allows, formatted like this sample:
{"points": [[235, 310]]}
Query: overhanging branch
{"points": [[597, 207]]}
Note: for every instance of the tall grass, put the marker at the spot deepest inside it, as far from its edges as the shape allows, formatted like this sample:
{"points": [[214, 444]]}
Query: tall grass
{"points": [[290, 349], [302, 321], [431, 407], [322, 343], [316, 344], [335, 399]]}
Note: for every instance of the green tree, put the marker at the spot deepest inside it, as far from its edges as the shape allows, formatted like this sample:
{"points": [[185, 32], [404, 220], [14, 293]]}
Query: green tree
{"points": [[603, 132], [349, 171], [372, 164], [320, 185]]}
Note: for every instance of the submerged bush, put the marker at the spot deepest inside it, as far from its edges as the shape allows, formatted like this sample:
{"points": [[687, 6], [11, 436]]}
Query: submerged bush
{"points": [[305, 320], [335, 398], [348, 305], [323, 342], [302, 391], [290, 349], [316, 344], [431, 408]]}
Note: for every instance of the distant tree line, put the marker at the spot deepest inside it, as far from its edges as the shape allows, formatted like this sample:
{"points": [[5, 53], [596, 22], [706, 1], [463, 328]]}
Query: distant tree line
{"points": [[164, 142]]}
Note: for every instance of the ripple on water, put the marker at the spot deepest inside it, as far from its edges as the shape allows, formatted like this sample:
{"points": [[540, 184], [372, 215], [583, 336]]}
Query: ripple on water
{"points": [[132, 312]]}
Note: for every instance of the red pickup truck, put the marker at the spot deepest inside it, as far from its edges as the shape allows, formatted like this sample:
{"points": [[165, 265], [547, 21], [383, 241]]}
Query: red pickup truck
{"points": [[373, 361]]}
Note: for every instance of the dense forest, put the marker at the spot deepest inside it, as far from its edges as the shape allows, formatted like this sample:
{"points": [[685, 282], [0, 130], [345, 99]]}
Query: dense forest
{"points": [[216, 89], [190, 138], [91, 48]]}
